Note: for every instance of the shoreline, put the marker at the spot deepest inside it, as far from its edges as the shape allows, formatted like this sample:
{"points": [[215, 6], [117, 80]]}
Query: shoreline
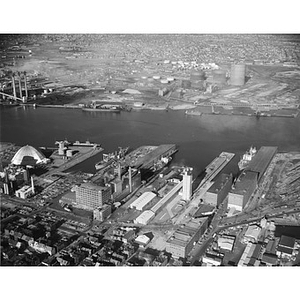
{"points": [[189, 109]]}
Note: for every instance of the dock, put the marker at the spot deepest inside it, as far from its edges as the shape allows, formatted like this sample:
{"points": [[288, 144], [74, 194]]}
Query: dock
{"points": [[216, 166]]}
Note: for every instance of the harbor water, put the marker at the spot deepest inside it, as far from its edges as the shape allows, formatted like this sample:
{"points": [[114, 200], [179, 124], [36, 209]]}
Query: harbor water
{"points": [[199, 138]]}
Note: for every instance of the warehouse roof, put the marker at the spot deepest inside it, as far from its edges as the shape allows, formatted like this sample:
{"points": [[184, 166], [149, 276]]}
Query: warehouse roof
{"points": [[145, 216], [261, 160], [219, 183], [143, 200], [287, 241], [244, 182]]}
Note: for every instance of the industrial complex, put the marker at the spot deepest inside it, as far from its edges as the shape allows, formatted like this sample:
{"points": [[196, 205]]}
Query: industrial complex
{"points": [[134, 204], [142, 207]]}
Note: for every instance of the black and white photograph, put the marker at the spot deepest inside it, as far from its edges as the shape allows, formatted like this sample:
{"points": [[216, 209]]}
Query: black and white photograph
{"points": [[125, 146]]}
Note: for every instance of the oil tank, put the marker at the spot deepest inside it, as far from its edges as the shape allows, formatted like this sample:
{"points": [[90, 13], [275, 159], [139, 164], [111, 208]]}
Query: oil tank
{"points": [[185, 83], [198, 84], [237, 74], [196, 76], [219, 76]]}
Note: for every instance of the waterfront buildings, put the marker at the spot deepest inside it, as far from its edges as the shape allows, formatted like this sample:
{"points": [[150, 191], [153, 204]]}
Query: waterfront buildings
{"points": [[241, 192], [261, 160], [90, 196], [219, 190], [28, 155], [187, 184]]}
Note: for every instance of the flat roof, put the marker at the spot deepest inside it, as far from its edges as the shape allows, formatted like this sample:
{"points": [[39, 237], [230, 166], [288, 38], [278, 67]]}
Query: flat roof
{"points": [[244, 182], [219, 183], [261, 160], [287, 241], [92, 186]]}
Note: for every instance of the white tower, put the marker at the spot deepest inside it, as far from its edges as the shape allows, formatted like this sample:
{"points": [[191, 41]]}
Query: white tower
{"points": [[32, 186], [187, 184]]}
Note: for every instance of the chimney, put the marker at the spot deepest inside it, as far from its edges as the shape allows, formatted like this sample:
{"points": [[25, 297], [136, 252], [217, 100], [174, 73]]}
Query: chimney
{"points": [[20, 85], [130, 180], [25, 81], [14, 87], [119, 171]]}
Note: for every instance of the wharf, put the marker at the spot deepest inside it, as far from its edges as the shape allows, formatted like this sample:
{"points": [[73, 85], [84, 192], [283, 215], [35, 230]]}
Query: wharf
{"points": [[146, 156], [78, 158], [216, 166]]}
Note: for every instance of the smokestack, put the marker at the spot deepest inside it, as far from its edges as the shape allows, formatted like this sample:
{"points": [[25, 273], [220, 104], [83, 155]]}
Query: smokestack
{"points": [[20, 85], [14, 87], [25, 81], [119, 171], [130, 180], [32, 185]]}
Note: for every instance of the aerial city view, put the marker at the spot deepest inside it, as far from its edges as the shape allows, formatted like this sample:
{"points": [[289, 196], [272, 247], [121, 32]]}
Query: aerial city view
{"points": [[150, 149]]}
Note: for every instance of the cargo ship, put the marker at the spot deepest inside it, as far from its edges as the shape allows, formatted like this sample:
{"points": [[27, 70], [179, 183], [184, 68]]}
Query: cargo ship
{"points": [[110, 157], [193, 112], [246, 158], [114, 109]]}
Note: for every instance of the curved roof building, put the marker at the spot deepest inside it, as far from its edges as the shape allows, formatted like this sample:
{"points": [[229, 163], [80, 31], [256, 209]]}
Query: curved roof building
{"points": [[28, 155]]}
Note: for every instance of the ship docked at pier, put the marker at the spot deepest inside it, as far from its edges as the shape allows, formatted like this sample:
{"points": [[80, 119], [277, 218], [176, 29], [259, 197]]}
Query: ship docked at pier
{"points": [[246, 158], [111, 157]]}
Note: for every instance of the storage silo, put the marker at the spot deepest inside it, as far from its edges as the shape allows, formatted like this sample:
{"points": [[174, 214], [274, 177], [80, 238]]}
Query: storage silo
{"points": [[197, 75], [219, 76], [237, 74]]}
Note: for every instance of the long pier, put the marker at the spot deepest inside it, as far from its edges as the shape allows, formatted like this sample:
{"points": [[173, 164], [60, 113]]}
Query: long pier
{"points": [[215, 167]]}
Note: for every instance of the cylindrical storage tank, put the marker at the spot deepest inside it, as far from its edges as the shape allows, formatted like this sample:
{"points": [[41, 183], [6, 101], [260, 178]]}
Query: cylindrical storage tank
{"points": [[195, 76], [185, 83], [237, 74], [219, 76], [197, 84]]}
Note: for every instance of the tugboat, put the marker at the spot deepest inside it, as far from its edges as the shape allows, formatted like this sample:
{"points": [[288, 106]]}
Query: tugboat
{"points": [[247, 157]]}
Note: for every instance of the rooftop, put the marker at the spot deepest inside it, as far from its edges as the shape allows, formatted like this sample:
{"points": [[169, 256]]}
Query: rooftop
{"points": [[219, 183], [261, 160], [244, 182], [91, 186]]}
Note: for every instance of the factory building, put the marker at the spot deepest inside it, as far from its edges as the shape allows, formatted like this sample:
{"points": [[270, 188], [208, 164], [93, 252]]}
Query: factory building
{"points": [[226, 242], [145, 217], [102, 213], [182, 241], [242, 190], [216, 194], [187, 184], [144, 200], [261, 160], [24, 192], [237, 74], [252, 234], [90, 196], [285, 246]]}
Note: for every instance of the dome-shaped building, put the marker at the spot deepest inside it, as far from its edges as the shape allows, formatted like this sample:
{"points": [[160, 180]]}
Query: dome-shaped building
{"points": [[28, 155]]}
